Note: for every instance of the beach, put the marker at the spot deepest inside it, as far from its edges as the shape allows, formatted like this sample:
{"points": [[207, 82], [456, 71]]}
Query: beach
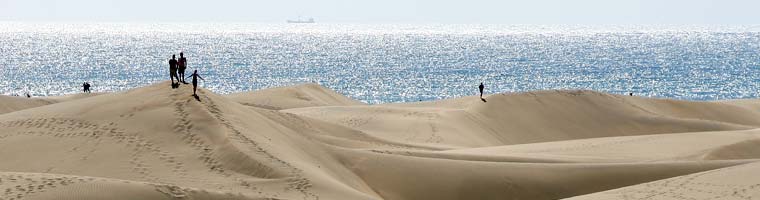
{"points": [[309, 142]]}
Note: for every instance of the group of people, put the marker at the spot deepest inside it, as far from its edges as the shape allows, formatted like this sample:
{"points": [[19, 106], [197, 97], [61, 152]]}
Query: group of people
{"points": [[27, 95], [86, 86], [177, 70]]}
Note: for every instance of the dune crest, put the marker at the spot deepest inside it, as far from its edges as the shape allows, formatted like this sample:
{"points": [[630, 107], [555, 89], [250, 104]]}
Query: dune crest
{"points": [[531, 117], [308, 142], [13, 103], [298, 96]]}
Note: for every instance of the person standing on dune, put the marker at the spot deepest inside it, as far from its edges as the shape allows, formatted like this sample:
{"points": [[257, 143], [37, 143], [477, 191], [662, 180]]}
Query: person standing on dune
{"points": [[481, 87], [195, 81], [182, 63], [173, 69]]}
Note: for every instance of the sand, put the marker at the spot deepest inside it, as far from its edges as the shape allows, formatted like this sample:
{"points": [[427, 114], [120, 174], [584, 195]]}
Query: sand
{"points": [[309, 142], [298, 96], [16, 103]]}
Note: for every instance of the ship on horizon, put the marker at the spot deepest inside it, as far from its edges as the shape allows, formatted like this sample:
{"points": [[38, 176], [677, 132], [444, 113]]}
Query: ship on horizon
{"points": [[300, 21]]}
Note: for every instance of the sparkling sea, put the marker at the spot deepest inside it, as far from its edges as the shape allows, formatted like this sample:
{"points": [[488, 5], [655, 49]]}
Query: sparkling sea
{"points": [[387, 63]]}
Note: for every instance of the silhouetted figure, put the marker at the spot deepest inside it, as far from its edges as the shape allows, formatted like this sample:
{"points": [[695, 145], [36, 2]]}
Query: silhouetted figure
{"points": [[630, 93], [173, 69], [481, 87], [86, 87], [28, 95], [195, 81], [182, 64]]}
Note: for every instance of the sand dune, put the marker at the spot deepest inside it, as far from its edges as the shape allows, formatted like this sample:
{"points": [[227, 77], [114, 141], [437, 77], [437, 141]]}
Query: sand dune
{"points": [[55, 186], [533, 117], [738, 182], [13, 103], [723, 145], [299, 96], [308, 142]]}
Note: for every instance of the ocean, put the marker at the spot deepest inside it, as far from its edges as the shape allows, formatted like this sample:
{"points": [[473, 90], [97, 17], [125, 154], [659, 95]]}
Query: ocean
{"points": [[387, 63]]}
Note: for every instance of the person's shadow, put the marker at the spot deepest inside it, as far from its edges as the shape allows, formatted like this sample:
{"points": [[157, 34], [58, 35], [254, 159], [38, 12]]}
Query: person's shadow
{"points": [[482, 99]]}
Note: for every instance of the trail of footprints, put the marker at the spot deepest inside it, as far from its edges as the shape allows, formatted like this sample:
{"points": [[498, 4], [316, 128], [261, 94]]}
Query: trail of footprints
{"points": [[686, 187], [184, 127], [19, 186], [140, 148], [16, 186], [297, 181], [68, 128]]}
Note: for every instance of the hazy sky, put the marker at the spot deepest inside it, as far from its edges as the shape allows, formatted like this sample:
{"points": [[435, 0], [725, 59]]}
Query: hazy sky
{"points": [[391, 11]]}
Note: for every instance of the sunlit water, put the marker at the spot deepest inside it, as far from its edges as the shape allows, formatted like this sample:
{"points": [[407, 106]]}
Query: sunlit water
{"points": [[388, 63]]}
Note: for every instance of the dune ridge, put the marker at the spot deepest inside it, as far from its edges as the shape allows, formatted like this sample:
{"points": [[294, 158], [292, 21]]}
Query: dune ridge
{"points": [[15, 103], [534, 117], [298, 96], [309, 142]]}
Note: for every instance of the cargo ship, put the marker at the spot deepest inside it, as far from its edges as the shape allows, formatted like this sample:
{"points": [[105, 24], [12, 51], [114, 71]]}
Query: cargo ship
{"points": [[299, 21]]}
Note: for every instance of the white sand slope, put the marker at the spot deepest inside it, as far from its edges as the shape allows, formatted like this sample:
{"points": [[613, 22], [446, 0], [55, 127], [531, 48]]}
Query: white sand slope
{"points": [[13, 103], [534, 117], [307, 142], [298, 96], [738, 182]]}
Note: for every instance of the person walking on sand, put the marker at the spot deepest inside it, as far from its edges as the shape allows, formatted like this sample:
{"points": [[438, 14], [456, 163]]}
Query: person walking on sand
{"points": [[173, 69], [481, 87], [182, 64], [86, 87], [195, 81]]}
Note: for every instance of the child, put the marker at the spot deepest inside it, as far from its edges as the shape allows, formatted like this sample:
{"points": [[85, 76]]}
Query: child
{"points": [[195, 80]]}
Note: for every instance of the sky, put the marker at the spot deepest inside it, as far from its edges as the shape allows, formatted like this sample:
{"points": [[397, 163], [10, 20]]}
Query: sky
{"points": [[389, 11]]}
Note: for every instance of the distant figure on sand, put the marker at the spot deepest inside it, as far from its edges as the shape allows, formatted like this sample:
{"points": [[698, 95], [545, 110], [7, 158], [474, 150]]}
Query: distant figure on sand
{"points": [[86, 87], [173, 69], [195, 81], [182, 66], [630, 93], [481, 87]]}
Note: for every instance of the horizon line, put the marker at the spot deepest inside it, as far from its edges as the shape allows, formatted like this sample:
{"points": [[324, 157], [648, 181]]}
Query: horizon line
{"points": [[356, 23]]}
